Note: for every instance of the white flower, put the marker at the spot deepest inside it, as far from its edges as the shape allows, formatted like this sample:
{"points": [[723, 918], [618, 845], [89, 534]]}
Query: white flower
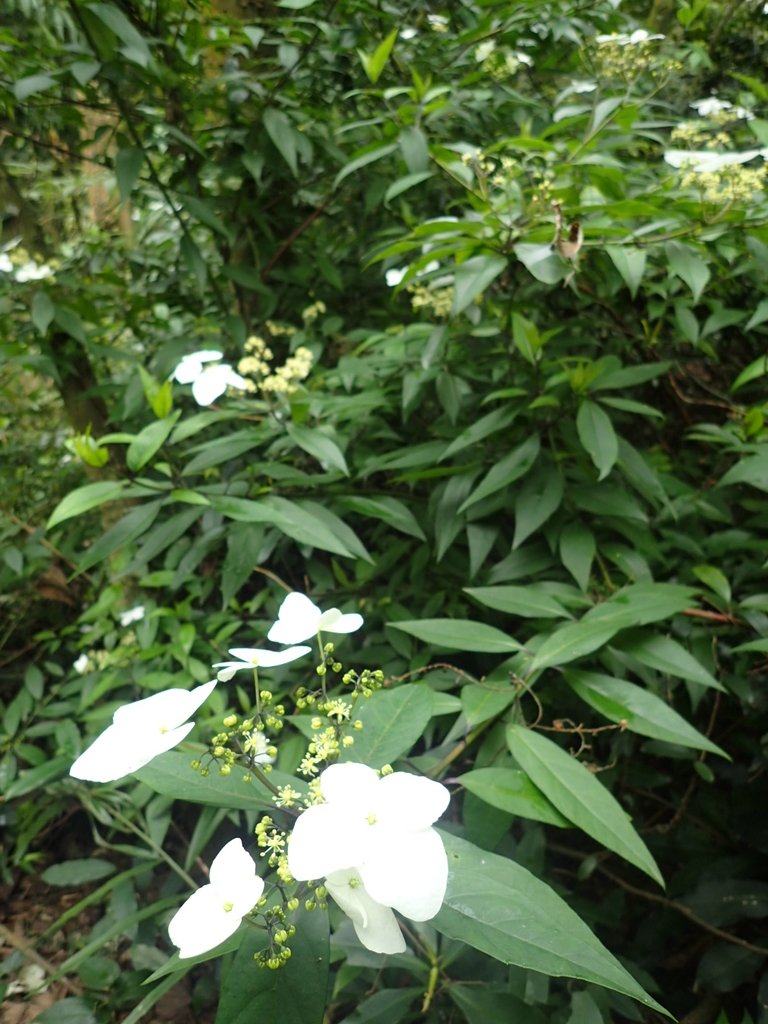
{"points": [[33, 272], [703, 161], [81, 664], [711, 106], [208, 382], [6, 267], [395, 276], [132, 615], [624, 39], [299, 619], [139, 732], [215, 911], [376, 831], [254, 658], [257, 745], [376, 926]]}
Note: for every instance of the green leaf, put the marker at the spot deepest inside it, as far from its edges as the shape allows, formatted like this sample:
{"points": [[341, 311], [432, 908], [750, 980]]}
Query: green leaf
{"points": [[317, 444], [296, 994], [128, 164], [511, 790], [636, 605], [688, 266], [134, 47], [23, 88], [642, 711], [527, 602], [38, 778], [459, 635], [149, 441], [172, 775], [541, 262], [77, 872], [387, 1006], [287, 516], [282, 133], [597, 436], [630, 263], [666, 655], [393, 720], [374, 63], [121, 535], [473, 277], [510, 468], [43, 311], [366, 155], [72, 1010], [577, 551], [481, 701], [393, 512], [527, 338], [716, 580], [753, 470], [759, 316], [204, 212], [579, 796], [498, 907], [405, 183], [538, 499], [491, 423], [83, 499]]}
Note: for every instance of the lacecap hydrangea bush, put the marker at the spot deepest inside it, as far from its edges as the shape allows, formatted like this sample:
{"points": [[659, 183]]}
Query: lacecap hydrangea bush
{"points": [[362, 834]]}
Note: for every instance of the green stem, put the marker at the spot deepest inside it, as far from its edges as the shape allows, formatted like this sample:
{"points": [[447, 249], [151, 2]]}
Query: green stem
{"points": [[156, 848]]}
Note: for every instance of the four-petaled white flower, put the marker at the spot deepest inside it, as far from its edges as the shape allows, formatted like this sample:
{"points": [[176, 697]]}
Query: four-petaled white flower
{"points": [[640, 35], [703, 161], [255, 658], [215, 911], [299, 619], [139, 732], [712, 105], [208, 382], [373, 842]]}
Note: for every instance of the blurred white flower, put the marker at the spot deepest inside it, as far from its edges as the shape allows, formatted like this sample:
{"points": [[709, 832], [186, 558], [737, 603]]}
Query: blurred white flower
{"points": [[139, 732], [255, 658], [82, 663], [711, 106], [6, 267], [33, 272], [215, 911], [208, 381], [132, 615], [373, 841], [298, 619], [581, 86], [625, 39], [395, 276], [709, 160]]}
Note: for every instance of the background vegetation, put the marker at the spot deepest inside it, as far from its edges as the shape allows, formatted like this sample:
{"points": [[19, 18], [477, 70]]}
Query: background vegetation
{"points": [[529, 450]]}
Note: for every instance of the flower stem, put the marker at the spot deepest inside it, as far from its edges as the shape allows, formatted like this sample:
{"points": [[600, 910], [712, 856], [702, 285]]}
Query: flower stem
{"points": [[156, 848]]}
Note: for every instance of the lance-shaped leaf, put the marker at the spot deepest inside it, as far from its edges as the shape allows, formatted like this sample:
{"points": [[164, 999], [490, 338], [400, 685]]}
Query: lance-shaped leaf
{"points": [[579, 796], [459, 635], [501, 909]]}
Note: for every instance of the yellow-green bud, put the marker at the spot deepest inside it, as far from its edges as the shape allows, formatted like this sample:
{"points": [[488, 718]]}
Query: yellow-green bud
{"points": [[348, 741], [293, 904], [230, 721], [225, 769]]}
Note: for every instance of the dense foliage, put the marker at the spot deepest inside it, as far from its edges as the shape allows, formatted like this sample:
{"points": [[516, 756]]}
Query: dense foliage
{"points": [[489, 277]]}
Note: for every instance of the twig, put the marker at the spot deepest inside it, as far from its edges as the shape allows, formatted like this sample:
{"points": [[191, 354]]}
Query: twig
{"points": [[11, 939]]}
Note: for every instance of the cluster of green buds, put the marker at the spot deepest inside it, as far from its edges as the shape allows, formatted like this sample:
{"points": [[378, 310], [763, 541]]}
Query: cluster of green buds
{"points": [[273, 843], [277, 952], [243, 742]]}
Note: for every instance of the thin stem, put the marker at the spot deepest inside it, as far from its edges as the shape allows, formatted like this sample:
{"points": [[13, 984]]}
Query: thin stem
{"points": [[156, 848]]}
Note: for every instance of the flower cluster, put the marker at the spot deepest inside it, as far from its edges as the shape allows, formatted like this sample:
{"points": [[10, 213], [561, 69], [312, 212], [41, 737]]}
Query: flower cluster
{"points": [[284, 380], [625, 55], [720, 176], [363, 837]]}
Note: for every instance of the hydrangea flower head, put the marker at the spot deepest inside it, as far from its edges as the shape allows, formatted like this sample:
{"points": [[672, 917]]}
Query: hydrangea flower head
{"points": [[215, 911], [373, 842], [255, 658], [299, 619], [139, 732]]}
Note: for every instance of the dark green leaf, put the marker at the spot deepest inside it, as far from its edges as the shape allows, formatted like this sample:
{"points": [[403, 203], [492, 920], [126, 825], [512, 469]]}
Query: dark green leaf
{"points": [[511, 790], [459, 635], [393, 720], [77, 872]]}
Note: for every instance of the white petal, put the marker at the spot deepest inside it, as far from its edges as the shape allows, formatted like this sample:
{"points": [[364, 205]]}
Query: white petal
{"points": [[324, 840], [120, 751], [191, 366], [202, 923], [409, 873], [234, 879], [297, 620], [228, 669], [375, 925], [352, 786], [333, 621], [410, 802], [164, 710], [210, 384], [257, 658]]}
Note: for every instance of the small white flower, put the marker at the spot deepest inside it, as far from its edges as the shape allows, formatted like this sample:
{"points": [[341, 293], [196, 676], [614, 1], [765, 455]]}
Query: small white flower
{"points": [[579, 86], [208, 381], [711, 106], [395, 276], [81, 664], [132, 615], [139, 732], [624, 39], [257, 745], [299, 619], [215, 911], [378, 831], [255, 658], [709, 160], [6, 267]]}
